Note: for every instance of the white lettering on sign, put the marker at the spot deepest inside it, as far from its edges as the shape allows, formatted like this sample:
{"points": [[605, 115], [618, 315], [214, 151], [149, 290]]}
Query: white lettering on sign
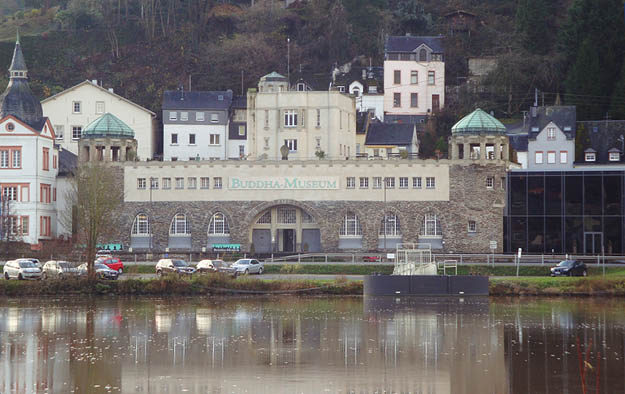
{"points": [[283, 183]]}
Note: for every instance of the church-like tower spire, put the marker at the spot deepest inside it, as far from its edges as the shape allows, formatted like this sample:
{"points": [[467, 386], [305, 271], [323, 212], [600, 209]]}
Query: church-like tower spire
{"points": [[18, 65]]}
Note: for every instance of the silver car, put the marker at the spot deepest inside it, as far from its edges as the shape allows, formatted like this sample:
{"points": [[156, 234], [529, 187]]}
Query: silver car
{"points": [[101, 271], [21, 269], [248, 266], [59, 270]]}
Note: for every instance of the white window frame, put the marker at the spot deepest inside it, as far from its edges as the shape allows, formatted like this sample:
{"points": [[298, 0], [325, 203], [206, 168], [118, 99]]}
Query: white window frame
{"points": [[16, 158], [214, 118], [416, 182], [74, 128], [290, 118], [141, 225], [431, 77], [614, 156], [199, 116], [551, 157], [205, 182], [292, 144], [179, 183], [564, 157], [364, 182], [59, 131], [76, 107], [414, 77], [241, 130], [217, 182], [472, 226], [490, 182], [590, 156], [430, 183], [153, 183], [350, 182], [191, 182], [173, 136], [99, 107], [431, 226], [180, 226], [390, 225], [389, 181], [173, 115], [184, 116], [551, 133], [214, 139], [141, 183], [403, 182], [538, 157], [350, 227], [166, 183], [377, 182], [218, 225]]}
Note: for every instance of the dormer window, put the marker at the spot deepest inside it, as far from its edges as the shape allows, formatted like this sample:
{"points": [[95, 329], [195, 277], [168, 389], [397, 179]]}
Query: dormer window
{"points": [[423, 55], [301, 87], [614, 156], [535, 129], [220, 97], [567, 128], [342, 89], [590, 156]]}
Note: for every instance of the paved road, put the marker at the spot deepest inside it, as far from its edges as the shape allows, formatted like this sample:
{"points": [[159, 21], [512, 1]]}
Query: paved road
{"points": [[263, 276]]}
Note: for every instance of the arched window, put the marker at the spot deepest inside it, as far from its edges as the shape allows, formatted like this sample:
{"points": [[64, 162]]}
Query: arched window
{"points": [[180, 225], [390, 226], [351, 226], [423, 55], [218, 225], [141, 225], [431, 226]]}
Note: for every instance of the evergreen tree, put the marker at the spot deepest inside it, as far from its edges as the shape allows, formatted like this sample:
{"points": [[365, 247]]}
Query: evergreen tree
{"points": [[584, 83], [534, 24], [617, 103]]}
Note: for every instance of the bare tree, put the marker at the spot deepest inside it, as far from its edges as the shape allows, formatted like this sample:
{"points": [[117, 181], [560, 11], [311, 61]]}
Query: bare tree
{"points": [[94, 197], [10, 230]]}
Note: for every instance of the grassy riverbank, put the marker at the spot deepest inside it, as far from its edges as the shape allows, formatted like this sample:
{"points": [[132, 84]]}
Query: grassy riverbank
{"points": [[526, 286], [200, 285]]}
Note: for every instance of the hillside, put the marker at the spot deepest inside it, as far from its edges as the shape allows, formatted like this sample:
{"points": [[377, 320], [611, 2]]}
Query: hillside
{"points": [[142, 48]]}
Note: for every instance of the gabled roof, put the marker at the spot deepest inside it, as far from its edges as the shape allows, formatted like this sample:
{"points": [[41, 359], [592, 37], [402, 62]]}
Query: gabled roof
{"points": [[108, 125], [216, 100], [410, 43], [390, 134], [562, 116], [374, 76], [102, 89], [67, 162], [605, 137]]}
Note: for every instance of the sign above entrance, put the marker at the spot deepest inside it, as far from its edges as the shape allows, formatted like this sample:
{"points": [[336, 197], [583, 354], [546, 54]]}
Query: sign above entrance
{"points": [[284, 183], [226, 247]]}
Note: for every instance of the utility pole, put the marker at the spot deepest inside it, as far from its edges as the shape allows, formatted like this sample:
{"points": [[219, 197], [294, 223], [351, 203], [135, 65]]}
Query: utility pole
{"points": [[288, 62], [384, 225]]}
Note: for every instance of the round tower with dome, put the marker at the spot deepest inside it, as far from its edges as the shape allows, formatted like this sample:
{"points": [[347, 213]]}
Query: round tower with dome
{"points": [[479, 137]]}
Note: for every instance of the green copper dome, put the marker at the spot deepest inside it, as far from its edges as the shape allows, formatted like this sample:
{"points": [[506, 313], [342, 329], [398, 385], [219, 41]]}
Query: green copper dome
{"points": [[478, 122], [108, 126]]}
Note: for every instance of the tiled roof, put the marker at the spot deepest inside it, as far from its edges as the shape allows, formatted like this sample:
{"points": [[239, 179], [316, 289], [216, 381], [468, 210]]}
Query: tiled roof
{"points": [[176, 99], [67, 162], [410, 43], [563, 116], [605, 137], [390, 134]]}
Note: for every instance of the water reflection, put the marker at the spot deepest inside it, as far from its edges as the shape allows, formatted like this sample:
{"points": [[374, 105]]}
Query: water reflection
{"points": [[289, 345]]}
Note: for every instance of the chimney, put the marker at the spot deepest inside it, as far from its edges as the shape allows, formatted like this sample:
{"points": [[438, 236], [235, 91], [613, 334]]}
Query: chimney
{"points": [[533, 111], [111, 90], [364, 73], [94, 81]]}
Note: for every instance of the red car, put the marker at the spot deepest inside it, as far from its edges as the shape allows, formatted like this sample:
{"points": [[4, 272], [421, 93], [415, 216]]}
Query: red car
{"points": [[371, 259], [114, 263]]}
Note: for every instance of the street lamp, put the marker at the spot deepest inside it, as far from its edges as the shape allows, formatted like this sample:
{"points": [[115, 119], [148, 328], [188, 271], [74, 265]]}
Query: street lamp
{"points": [[384, 226]]}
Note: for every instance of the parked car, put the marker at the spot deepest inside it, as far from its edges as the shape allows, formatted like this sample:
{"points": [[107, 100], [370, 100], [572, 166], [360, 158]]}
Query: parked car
{"points": [[211, 266], [371, 259], [35, 261], [173, 266], [21, 269], [103, 253], [569, 268], [59, 270], [102, 271], [248, 266], [114, 263]]}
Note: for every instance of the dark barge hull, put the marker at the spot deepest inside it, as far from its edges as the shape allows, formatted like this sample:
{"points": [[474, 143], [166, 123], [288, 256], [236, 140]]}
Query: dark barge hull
{"points": [[425, 285]]}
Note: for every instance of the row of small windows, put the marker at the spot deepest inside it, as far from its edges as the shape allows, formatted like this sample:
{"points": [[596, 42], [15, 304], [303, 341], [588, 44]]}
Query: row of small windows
{"points": [[77, 107], [199, 116], [294, 118], [179, 183], [390, 226], [421, 56], [414, 77], [180, 225], [389, 182], [59, 131], [539, 157]]}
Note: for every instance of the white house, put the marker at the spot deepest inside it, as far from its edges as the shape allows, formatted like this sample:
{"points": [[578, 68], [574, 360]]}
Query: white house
{"points": [[195, 125], [74, 108], [28, 161], [307, 122], [414, 77]]}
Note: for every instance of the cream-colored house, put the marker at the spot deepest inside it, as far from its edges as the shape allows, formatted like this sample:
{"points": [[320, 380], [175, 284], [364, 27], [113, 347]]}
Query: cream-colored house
{"points": [[306, 122], [414, 76], [73, 109]]}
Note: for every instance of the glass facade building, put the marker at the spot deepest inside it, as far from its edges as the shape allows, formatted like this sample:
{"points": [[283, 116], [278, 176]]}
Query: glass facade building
{"points": [[579, 212]]}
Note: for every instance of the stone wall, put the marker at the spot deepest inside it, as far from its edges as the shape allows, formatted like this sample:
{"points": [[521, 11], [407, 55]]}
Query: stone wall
{"points": [[469, 200]]}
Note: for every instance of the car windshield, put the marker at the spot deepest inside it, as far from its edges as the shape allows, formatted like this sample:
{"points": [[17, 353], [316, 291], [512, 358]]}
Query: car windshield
{"points": [[64, 265], [27, 264], [101, 267], [566, 263], [219, 263], [180, 263], [243, 262]]}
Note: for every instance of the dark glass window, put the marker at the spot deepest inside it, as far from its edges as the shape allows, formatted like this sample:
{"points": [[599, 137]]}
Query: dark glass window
{"points": [[592, 224], [553, 195], [553, 235], [574, 235], [574, 194], [518, 232], [518, 195], [536, 195], [613, 233], [593, 195], [535, 234], [612, 195]]}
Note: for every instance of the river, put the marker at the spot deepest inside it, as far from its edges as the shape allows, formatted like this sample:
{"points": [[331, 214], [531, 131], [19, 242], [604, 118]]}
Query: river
{"points": [[311, 345]]}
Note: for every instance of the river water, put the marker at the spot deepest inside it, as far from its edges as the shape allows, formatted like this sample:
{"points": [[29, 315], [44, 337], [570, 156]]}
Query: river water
{"points": [[311, 345]]}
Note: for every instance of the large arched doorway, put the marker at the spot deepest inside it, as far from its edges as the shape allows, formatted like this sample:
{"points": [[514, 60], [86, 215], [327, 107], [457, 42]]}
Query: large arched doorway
{"points": [[285, 229]]}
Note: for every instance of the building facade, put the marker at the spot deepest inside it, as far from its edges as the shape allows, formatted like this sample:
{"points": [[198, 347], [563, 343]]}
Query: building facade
{"points": [[277, 206], [306, 122], [237, 129], [28, 162], [195, 125], [73, 109], [414, 76]]}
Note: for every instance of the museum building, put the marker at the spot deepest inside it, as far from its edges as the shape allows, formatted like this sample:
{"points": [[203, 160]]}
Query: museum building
{"points": [[289, 206]]}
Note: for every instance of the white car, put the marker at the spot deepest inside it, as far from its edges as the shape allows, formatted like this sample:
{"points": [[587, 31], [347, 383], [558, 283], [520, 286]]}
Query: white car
{"points": [[21, 269], [248, 266]]}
